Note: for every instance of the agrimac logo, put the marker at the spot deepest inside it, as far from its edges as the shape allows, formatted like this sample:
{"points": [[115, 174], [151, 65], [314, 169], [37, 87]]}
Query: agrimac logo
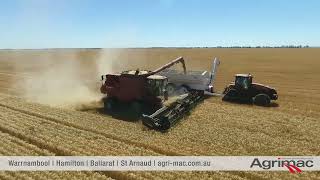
{"points": [[292, 164]]}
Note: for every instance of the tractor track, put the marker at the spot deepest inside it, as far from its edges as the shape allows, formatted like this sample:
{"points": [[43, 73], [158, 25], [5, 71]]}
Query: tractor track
{"points": [[17, 146], [70, 125], [109, 136], [53, 151], [31, 141], [57, 152], [54, 175], [5, 73]]}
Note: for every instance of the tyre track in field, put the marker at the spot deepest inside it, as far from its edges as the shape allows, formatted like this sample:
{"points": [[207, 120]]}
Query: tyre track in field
{"points": [[42, 145], [5, 73], [68, 124], [50, 126], [29, 140], [57, 152], [114, 175], [20, 146]]}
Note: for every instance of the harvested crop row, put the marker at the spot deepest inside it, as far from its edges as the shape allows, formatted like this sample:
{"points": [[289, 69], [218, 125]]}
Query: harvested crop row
{"points": [[16, 149], [52, 175], [163, 175], [242, 131], [12, 146], [88, 122], [15, 74], [49, 135], [148, 175], [10, 90], [75, 141]]}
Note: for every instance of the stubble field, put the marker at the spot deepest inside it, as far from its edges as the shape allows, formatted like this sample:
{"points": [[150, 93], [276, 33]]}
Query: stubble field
{"points": [[50, 96]]}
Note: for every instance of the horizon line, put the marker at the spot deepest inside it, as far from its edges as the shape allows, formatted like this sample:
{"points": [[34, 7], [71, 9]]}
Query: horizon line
{"points": [[177, 47]]}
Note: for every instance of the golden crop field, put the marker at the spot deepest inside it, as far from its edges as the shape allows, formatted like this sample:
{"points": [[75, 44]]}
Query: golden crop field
{"points": [[52, 96]]}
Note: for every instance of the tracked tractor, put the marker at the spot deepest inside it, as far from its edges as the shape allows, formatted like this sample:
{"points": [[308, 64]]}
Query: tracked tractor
{"points": [[243, 90], [143, 92]]}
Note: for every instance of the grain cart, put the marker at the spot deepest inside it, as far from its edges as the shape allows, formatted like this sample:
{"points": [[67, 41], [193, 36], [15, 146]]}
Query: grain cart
{"points": [[140, 91], [244, 90], [182, 82]]}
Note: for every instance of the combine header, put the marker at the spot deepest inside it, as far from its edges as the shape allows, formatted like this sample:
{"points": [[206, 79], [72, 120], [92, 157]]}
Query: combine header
{"points": [[169, 115], [145, 92]]}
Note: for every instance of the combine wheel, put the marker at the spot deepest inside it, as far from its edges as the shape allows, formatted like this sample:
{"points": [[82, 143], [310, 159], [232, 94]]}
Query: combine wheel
{"points": [[261, 100], [109, 104], [135, 109]]}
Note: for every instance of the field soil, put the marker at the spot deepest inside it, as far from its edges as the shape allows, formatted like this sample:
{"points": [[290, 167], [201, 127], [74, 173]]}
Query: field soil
{"points": [[52, 96]]}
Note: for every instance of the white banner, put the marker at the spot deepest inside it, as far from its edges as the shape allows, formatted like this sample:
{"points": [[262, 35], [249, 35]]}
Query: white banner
{"points": [[160, 163]]}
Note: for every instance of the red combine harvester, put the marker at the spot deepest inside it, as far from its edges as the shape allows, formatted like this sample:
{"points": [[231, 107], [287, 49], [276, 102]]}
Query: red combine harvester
{"points": [[144, 92]]}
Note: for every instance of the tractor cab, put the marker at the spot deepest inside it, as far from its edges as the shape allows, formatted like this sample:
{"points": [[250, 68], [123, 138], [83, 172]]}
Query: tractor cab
{"points": [[157, 86], [243, 81]]}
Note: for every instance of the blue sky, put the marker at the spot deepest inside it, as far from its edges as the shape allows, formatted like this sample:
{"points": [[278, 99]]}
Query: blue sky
{"points": [[148, 23]]}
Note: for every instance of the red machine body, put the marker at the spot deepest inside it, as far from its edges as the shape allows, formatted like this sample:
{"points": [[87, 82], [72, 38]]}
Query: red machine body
{"points": [[128, 88], [136, 85]]}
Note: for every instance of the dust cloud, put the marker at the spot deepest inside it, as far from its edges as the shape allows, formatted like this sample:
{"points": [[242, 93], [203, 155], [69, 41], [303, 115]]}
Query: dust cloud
{"points": [[66, 79]]}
